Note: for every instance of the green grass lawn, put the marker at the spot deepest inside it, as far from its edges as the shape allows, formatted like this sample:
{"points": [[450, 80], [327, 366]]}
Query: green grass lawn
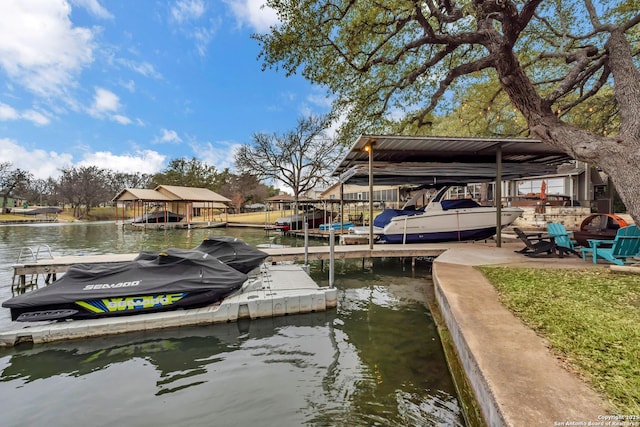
{"points": [[590, 317]]}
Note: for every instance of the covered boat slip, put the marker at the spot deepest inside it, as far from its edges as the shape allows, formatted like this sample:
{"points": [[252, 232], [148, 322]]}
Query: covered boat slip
{"points": [[169, 206], [277, 290], [438, 161]]}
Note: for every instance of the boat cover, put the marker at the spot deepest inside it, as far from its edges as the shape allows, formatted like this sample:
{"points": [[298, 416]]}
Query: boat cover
{"points": [[387, 215], [173, 278], [158, 217], [458, 204], [230, 250], [233, 252]]}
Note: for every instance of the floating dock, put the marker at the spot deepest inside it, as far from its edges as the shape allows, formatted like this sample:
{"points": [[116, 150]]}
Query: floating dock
{"points": [[54, 266], [276, 290]]}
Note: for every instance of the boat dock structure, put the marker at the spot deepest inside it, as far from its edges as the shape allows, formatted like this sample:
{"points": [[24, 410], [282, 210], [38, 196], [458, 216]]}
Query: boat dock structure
{"points": [[275, 290], [282, 287], [54, 266], [509, 371]]}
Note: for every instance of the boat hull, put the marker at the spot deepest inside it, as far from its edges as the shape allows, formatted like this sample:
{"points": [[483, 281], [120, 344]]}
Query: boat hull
{"points": [[337, 226], [444, 236], [363, 230], [446, 226], [296, 222], [116, 306]]}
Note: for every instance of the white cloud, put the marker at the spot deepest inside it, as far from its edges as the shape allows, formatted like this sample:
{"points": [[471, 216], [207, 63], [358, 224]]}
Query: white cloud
{"points": [[187, 10], [203, 37], [168, 136], [94, 7], [221, 154], [106, 104], [143, 161], [42, 164], [396, 114], [186, 14], [47, 164], [144, 68], [40, 48], [254, 14], [123, 120], [335, 126], [8, 113], [320, 99], [105, 101], [36, 117], [129, 85]]}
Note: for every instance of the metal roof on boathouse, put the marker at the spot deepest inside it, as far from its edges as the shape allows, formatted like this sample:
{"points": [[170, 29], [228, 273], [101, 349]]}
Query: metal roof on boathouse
{"points": [[401, 160]]}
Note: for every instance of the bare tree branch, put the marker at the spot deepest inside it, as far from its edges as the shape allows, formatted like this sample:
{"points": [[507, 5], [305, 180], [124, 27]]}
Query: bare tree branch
{"points": [[300, 158]]}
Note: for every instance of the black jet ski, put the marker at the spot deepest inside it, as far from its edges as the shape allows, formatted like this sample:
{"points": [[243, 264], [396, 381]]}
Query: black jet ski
{"points": [[170, 280], [233, 252], [230, 250]]}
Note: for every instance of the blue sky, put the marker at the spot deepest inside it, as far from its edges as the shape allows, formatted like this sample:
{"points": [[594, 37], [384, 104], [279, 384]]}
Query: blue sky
{"points": [[131, 85]]}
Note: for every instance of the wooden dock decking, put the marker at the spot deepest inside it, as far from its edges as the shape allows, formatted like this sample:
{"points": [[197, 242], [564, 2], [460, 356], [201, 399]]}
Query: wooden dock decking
{"points": [[54, 266], [318, 253]]}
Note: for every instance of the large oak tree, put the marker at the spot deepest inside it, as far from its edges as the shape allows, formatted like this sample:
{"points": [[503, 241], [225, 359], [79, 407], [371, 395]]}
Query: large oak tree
{"points": [[84, 187], [188, 173], [385, 59]]}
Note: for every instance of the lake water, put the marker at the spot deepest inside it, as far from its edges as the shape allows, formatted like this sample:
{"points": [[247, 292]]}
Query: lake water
{"points": [[376, 360]]}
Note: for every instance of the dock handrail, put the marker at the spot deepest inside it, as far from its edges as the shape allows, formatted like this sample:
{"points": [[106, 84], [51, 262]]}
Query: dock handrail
{"points": [[21, 282]]}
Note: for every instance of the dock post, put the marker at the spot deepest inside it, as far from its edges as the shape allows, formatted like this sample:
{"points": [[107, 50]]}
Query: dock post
{"points": [[306, 243], [332, 244], [305, 228]]}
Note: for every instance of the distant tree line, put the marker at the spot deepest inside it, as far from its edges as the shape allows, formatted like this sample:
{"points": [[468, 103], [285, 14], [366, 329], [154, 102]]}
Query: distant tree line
{"points": [[301, 159], [82, 188]]}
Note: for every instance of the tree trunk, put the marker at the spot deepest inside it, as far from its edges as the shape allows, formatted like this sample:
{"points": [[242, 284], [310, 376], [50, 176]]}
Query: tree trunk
{"points": [[618, 156]]}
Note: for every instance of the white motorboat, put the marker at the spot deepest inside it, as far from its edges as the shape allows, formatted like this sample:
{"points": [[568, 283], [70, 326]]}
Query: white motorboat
{"points": [[442, 221]]}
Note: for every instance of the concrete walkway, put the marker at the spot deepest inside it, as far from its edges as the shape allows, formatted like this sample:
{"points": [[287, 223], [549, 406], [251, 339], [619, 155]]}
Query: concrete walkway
{"points": [[514, 376]]}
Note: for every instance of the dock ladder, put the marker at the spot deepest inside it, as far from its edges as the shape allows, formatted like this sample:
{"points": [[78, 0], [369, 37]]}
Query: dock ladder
{"points": [[21, 282]]}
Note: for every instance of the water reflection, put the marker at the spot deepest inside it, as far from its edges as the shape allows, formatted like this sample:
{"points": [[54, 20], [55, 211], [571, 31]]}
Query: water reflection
{"points": [[364, 364], [175, 354]]}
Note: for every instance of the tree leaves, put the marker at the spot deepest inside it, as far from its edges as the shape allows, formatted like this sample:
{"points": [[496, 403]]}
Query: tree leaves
{"points": [[390, 65]]}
